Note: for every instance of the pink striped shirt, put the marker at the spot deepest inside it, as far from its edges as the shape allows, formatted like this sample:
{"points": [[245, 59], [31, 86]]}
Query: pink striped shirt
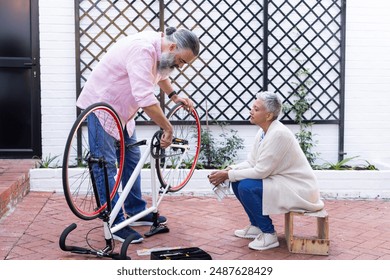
{"points": [[126, 77]]}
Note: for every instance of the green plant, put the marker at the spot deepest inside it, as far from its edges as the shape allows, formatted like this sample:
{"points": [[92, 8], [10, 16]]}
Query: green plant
{"points": [[299, 107], [307, 143], [218, 154], [186, 163], [368, 166], [342, 165], [46, 162]]}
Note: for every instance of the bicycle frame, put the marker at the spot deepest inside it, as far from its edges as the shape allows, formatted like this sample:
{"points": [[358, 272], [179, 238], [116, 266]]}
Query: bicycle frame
{"points": [[156, 198], [168, 167], [125, 192]]}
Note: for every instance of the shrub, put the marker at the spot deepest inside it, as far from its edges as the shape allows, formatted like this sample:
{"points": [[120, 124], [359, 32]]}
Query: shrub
{"points": [[218, 154]]}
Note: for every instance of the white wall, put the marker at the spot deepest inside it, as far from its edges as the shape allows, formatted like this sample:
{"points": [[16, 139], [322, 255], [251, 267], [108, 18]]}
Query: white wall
{"points": [[367, 114], [58, 78]]}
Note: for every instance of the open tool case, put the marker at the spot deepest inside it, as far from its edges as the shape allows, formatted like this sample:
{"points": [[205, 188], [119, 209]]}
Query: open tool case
{"points": [[192, 253]]}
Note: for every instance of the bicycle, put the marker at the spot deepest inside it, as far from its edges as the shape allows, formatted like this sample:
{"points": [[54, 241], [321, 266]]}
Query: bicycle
{"points": [[173, 166]]}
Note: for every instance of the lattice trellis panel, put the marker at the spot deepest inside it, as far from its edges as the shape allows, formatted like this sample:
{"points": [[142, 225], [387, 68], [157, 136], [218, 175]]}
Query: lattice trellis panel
{"points": [[228, 71], [102, 23], [246, 46], [304, 42], [226, 74]]}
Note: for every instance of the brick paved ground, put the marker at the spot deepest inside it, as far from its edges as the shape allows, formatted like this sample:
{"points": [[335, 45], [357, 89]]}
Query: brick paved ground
{"points": [[30, 230], [359, 230]]}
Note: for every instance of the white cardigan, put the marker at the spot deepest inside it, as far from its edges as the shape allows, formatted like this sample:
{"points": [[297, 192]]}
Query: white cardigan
{"points": [[289, 183]]}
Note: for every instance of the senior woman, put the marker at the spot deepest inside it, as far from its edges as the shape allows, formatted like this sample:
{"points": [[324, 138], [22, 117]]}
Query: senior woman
{"points": [[276, 177]]}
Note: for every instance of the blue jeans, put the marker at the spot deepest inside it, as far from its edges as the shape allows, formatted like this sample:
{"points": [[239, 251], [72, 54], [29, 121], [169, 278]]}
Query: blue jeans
{"points": [[250, 194], [134, 202], [103, 145]]}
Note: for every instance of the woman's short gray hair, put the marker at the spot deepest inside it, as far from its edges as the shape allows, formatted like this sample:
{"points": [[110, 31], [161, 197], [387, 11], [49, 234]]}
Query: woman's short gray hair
{"points": [[184, 38], [272, 102]]}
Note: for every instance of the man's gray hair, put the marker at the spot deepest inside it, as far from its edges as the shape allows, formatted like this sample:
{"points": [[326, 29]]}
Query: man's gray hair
{"points": [[272, 102], [184, 38]]}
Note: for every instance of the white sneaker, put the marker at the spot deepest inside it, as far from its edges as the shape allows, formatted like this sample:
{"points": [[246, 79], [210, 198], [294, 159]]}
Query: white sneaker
{"points": [[264, 241], [248, 232]]}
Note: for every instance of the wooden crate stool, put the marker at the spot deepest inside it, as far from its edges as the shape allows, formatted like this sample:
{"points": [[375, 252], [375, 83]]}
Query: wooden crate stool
{"points": [[318, 245]]}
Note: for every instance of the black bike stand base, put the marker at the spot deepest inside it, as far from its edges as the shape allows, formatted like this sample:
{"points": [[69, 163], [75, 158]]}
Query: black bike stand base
{"points": [[157, 229], [106, 252]]}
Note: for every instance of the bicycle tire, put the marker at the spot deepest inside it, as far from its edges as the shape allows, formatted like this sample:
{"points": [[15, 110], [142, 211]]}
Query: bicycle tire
{"points": [[186, 126], [77, 178]]}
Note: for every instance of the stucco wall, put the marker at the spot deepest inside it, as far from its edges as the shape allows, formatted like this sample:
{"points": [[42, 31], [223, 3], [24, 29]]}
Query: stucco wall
{"points": [[367, 89]]}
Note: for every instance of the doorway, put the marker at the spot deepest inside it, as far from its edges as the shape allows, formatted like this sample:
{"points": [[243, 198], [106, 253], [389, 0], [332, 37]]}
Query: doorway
{"points": [[20, 113]]}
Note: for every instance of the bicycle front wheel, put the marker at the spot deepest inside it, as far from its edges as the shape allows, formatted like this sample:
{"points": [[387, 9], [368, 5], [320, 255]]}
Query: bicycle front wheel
{"points": [[81, 170], [176, 167]]}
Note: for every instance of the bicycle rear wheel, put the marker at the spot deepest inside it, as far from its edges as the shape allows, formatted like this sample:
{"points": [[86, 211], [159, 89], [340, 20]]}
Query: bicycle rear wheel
{"points": [[78, 178], [176, 167]]}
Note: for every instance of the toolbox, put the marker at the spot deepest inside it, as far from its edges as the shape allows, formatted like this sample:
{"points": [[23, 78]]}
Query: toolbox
{"points": [[191, 253]]}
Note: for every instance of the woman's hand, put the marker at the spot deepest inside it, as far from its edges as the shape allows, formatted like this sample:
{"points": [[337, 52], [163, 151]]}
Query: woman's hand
{"points": [[218, 177]]}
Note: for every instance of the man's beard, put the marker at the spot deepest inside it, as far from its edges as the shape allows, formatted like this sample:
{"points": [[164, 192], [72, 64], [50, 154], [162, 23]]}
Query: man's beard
{"points": [[167, 64]]}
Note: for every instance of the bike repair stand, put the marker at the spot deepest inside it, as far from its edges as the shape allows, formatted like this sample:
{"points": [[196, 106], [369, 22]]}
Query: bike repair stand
{"points": [[156, 228], [107, 251], [156, 152]]}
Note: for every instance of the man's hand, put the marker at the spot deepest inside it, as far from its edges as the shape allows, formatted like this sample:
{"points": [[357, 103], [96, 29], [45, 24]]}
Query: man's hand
{"points": [[188, 104], [157, 115], [166, 139]]}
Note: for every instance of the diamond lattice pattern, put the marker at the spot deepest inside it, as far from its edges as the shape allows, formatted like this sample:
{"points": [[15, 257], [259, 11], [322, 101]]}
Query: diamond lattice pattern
{"points": [[302, 37]]}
